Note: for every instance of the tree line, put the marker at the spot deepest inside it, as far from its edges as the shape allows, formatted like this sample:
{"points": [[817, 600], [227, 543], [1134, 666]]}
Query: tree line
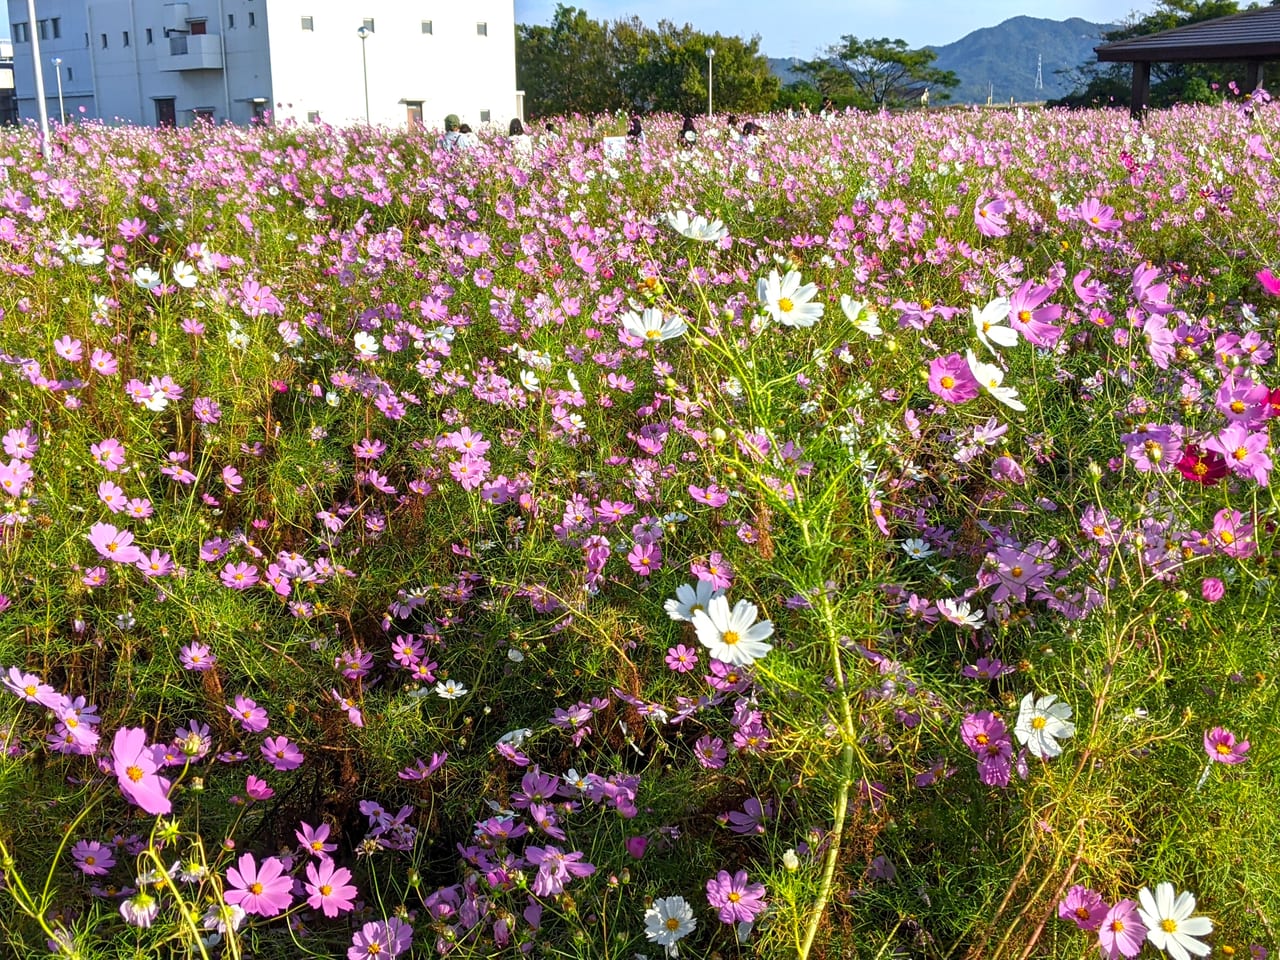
{"points": [[579, 65]]}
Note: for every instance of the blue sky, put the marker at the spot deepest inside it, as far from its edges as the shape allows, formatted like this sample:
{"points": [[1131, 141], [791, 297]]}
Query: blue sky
{"points": [[808, 25]]}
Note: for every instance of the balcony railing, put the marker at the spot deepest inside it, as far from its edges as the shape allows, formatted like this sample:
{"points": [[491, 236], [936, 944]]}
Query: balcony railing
{"points": [[192, 52]]}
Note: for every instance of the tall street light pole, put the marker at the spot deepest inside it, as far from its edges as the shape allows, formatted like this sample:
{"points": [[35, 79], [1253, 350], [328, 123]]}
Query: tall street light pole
{"points": [[710, 56], [62, 110], [46, 148], [363, 33]]}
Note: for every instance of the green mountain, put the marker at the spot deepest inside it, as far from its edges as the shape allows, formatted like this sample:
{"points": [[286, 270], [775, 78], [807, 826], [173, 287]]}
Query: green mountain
{"points": [[1002, 59]]}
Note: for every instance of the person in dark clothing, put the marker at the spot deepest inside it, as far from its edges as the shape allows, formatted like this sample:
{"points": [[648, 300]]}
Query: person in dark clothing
{"points": [[516, 128], [688, 133], [635, 131]]}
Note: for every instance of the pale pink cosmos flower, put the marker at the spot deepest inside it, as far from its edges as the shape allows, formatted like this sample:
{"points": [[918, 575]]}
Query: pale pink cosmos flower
{"points": [[114, 544], [1222, 747], [135, 764], [264, 889]]}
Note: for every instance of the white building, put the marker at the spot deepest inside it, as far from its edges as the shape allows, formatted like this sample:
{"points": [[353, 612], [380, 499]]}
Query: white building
{"points": [[157, 62]]}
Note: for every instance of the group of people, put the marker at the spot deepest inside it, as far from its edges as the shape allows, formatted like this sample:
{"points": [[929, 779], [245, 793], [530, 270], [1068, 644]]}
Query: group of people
{"points": [[459, 136]]}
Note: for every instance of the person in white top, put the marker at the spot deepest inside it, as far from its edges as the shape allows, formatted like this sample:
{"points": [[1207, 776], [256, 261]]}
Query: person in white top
{"points": [[520, 141]]}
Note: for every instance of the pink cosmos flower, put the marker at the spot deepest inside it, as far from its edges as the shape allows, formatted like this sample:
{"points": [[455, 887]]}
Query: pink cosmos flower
{"points": [[93, 858], [114, 544], [737, 900], [314, 840], [645, 558], [988, 216], [103, 363], [68, 348], [1245, 452], [328, 888], [1098, 215], [381, 940], [1211, 589], [681, 659], [255, 788], [951, 379], [1030, 318], [1122, 932], [264, 889], [135, 764], [1232, 535], [29, 687], [252, 717], [239, 576], [1222, 747], [1270, 282], [282, 753]]}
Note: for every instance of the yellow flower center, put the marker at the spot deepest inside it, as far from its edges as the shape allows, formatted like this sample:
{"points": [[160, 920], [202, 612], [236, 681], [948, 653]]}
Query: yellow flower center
{"points": [[134, 773], [1117, 926], [785, 305], [1200, 469], [1038, 723], [730, 638], [1237, 406], [1024, 316], [1016, 571], [1240, 453], [1223, 749], [255, 888], [672, 924], [983, 739], [29, 690], [325, 890], [653, 334], [947, 382], [90, 860], [1099, 530], [1169, 926], [735, 897], [1227, 537], [1082, 913]]}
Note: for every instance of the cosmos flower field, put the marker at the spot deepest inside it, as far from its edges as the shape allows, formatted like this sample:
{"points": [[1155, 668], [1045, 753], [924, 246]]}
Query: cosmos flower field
{"points": [[853, 542]]}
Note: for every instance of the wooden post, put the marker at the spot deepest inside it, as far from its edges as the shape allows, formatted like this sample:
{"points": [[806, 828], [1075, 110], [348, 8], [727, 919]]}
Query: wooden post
{"points": [[1141, 88], [1252, 76]]}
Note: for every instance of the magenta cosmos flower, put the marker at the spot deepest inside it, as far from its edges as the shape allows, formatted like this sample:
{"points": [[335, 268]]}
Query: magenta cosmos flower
{"points": [[252, 717], [1222, 747], [328, 888], [988, 216], [264, 889], [135, 764], [737, 900], [1122, 932], [951, 379], [1085, 908]]}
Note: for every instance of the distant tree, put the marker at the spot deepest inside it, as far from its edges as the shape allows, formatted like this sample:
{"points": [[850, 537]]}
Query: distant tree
{"points": [[1109, 84], [877, 73], [566, 67], [580, 65]]}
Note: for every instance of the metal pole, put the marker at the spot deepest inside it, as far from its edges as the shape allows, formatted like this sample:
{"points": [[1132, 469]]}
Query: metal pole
{"points": [[62, 110], [46, 148], [710, 56], [364, 62]]}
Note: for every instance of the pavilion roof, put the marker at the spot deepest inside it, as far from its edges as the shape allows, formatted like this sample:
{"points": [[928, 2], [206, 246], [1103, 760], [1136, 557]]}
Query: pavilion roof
{"points": [[1252, 35]]}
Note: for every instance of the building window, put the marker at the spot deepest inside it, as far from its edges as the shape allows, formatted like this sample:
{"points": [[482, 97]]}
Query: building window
{"points": [[57, 28], [231, 21], [252, 21], [368, 24], [104, 41], [125, 35], [427, 27], [151, 37], [203, 114], [198, 27], [308, 23], [482, 29], [484, 116], [44, 29], [71, 74], [21, 32]]}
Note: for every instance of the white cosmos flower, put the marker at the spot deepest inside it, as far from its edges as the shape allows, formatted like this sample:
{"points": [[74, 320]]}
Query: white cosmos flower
{"points": [[690, 598], [529, 380], [959, 613], [668, 921], [990, 377], [733, 636], [652, 325], [1170, 926], [156, 402], [916, 549], [184, 274], [146, 278], [987, 324], [366, 345], [450, 690], [1041, 723], [787, 300], [697, 227], [865, 318]]}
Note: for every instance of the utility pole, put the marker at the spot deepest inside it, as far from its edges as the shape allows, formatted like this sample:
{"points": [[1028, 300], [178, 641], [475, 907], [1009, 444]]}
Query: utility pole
{"points": [[46, 148]]}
